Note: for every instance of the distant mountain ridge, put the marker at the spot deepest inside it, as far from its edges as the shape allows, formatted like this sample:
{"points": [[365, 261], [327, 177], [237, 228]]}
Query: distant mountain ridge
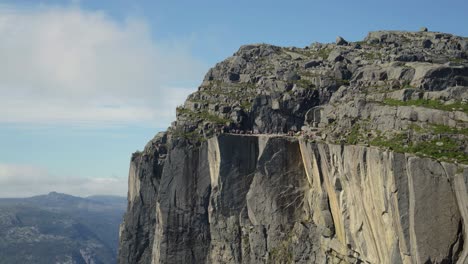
{"points": [[60, 228]]}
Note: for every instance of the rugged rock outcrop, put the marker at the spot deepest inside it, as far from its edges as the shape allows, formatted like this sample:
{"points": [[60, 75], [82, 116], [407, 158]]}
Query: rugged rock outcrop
{"points": [[353, 152]]}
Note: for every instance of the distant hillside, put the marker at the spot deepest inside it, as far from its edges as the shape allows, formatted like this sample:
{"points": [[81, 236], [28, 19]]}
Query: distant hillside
{"points": [[60, 228]]}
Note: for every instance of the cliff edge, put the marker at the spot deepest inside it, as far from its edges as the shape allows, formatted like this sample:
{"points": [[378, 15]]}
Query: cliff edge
{"points": [[351, 152]]}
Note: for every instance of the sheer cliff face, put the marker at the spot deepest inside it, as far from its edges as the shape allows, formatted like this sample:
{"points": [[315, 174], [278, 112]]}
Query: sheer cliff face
{"points": [[375, 175]]}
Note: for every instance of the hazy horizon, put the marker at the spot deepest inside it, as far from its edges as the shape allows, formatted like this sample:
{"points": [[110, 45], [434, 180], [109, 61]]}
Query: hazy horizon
{"points": [[60, 193]]}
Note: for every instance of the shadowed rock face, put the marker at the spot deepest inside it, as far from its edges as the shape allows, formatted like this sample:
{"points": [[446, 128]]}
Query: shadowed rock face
{"points": [[377, 174]]}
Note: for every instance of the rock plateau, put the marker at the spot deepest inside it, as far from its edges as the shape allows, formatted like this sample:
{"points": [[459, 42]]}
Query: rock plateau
{"points": [[353, 152]]}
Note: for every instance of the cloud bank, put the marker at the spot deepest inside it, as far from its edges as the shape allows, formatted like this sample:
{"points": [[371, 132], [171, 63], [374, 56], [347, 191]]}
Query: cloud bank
{"points": [[19, 180], [66, 66], [77, 67]]}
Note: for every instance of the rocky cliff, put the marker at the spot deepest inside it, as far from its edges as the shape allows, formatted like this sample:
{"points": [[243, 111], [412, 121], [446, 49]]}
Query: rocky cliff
{"points": [[351, 152]]}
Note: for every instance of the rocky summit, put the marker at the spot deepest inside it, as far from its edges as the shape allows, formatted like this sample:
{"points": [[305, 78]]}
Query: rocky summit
{"points": [[350, 152]]}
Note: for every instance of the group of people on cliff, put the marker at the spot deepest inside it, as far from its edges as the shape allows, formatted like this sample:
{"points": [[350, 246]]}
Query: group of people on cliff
{"points": [[290, 132]]}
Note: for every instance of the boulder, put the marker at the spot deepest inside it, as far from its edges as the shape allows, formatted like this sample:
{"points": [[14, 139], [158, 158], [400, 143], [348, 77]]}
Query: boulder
{"points": [[335, 56], [312, 63], [341, 41]]}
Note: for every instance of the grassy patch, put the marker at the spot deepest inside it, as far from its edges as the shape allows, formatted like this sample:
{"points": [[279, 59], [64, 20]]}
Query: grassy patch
{"points": [[324, 53], [397, 143], [304, 83], [341, 82], [445, 148], [416, 128], [442, 129], [269, 67], [355, 135], [457, 60], [180, 110], [358, 132], [246, 106], [435, 104], [212, 118], [203, 115], [218, 90]]}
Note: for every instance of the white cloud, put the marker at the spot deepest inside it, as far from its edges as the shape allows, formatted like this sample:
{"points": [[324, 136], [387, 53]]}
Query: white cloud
{"points": [[18, 180], [72, 66]]}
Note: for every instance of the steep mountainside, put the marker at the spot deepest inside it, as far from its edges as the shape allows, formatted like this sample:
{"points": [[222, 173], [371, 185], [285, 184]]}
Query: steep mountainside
{"points": [[333, 153], [60, 228]]}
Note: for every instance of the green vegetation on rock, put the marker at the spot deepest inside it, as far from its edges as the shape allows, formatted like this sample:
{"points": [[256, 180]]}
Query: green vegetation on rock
{"points": [[445, 148], [193, 136], [324, 53], [441, 129], [355, 135], [202, 115], [305, 83], [246, 106]]}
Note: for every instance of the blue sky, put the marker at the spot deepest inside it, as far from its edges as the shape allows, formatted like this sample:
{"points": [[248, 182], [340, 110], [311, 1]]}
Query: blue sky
{"points": [[86, 83]]}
